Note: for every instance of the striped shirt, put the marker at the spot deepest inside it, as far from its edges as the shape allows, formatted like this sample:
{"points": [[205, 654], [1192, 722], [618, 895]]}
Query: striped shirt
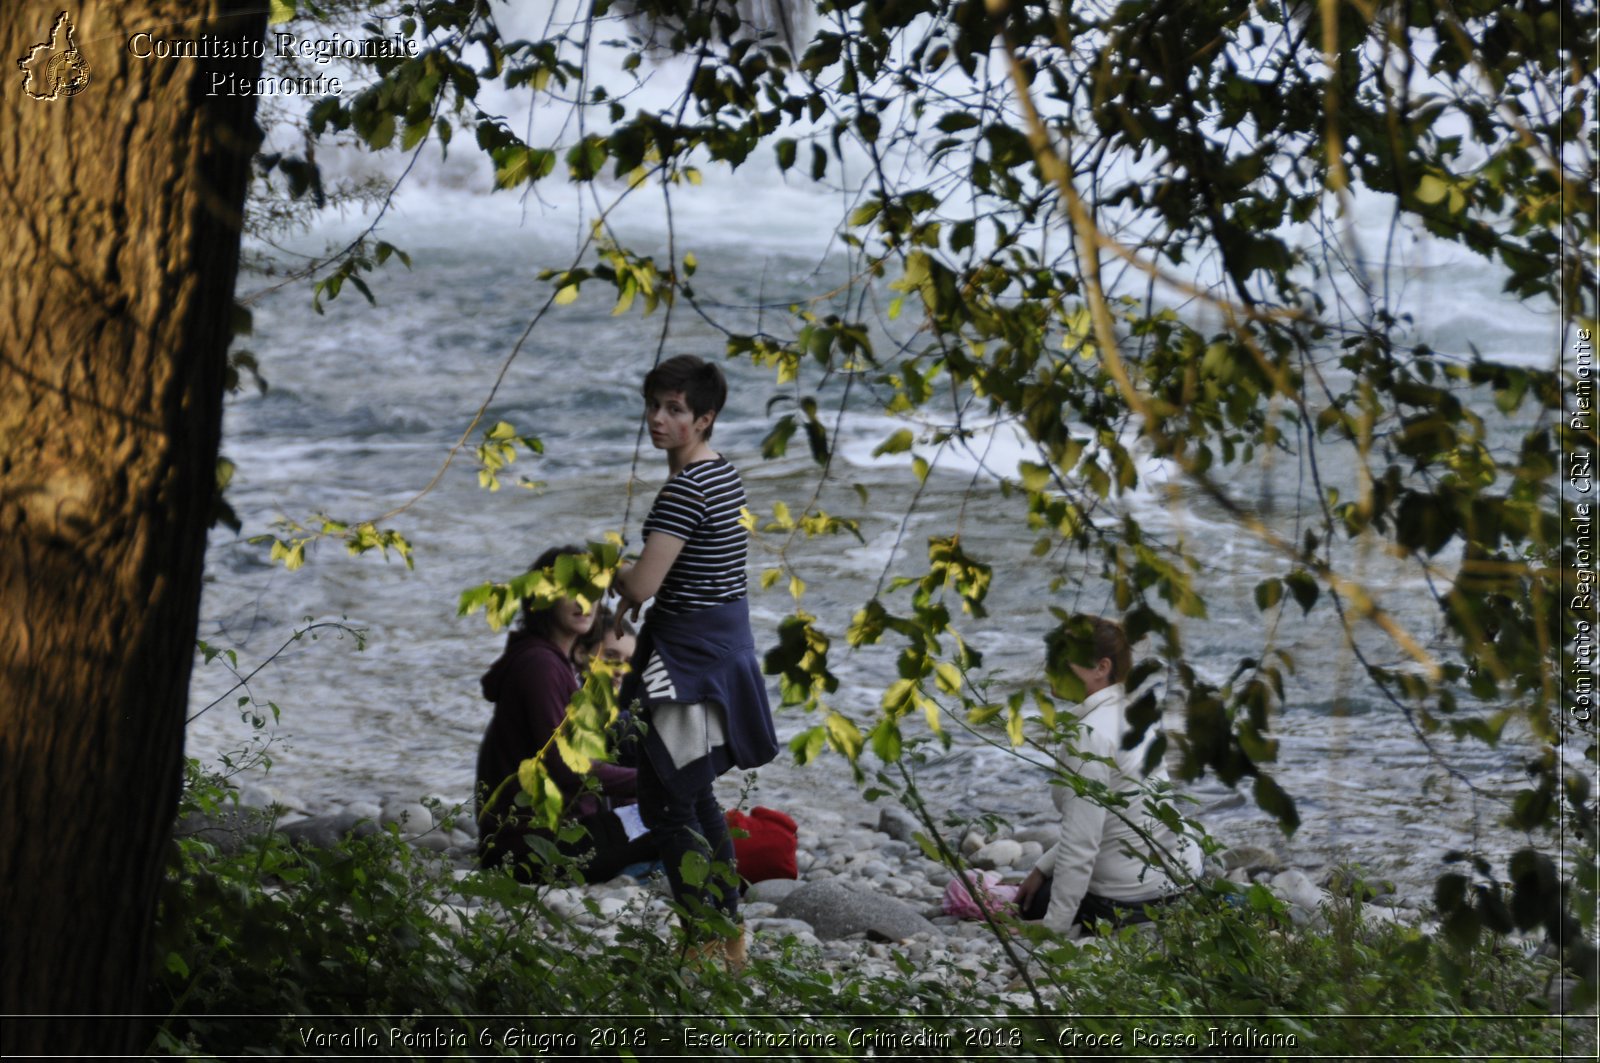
{"points": [[701, 506]]}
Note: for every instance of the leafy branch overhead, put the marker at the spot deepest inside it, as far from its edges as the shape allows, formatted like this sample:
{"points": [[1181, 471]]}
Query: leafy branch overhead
{"points": [[1124, 233]]}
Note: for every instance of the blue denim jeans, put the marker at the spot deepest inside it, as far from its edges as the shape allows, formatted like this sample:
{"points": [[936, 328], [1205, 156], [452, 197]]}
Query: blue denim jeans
{"points": [[689, 823]]}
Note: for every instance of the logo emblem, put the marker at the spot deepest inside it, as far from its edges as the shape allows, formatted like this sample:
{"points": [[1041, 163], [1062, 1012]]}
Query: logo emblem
{"points": [[55, 68]]}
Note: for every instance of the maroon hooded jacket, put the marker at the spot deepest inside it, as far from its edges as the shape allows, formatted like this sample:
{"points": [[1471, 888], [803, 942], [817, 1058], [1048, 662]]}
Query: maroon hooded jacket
{"points": [[530, 686]]}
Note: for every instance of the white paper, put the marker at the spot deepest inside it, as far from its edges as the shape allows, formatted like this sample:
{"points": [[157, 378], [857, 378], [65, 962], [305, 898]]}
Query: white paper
{"points": [[632, 822]]}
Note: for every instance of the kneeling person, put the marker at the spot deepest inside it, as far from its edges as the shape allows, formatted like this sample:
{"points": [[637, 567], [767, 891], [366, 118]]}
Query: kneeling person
{"points": [[1107, 866], [531, 686]]}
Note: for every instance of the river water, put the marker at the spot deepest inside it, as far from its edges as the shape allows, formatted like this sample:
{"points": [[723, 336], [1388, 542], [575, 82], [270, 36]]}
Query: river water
{"points": [[365, 402]]}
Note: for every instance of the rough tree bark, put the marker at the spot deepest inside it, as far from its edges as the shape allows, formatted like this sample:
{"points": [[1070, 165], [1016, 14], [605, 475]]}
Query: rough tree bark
{"points": [[119, 235]]}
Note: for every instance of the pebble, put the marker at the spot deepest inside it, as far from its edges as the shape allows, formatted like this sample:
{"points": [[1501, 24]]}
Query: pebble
{"points": [[1000, 853], [412, 816], [1046, 835], [1252, 858], [1296, 888], [777, 928], [898, 824], [437, 841]]}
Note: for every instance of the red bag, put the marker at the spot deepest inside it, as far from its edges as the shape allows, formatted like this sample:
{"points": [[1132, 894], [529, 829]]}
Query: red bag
{"points": [[769, 850]]}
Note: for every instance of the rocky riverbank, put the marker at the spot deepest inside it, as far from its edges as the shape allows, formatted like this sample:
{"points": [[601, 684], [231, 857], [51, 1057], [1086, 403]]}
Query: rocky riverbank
{"points": [[865, 890]]}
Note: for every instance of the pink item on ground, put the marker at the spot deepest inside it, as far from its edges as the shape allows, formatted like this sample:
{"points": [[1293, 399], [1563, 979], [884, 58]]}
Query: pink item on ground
{"points": [[997, 898]]}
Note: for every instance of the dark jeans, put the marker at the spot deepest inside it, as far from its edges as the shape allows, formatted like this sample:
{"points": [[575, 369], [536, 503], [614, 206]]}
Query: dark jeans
{"points": [[689, 823], [1095, 908], [603, 851]]}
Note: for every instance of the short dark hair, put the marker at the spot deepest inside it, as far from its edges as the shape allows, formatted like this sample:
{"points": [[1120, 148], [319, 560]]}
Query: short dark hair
{"points": [[539, 621], [1111, 641], [704, 387]]}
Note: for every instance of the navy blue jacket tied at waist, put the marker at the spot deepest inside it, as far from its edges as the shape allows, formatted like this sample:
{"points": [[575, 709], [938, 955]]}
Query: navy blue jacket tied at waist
{"points": [[711, 660]]}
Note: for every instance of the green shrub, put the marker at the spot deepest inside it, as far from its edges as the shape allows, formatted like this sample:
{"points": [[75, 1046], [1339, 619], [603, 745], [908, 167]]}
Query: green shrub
{"points": [[250, 941], [378, 948], [1228, 972]]}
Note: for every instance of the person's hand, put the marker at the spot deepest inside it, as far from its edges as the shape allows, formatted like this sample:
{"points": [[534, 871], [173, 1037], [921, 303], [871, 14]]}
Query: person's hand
{"points": [[627, 608], [1029, 887]]}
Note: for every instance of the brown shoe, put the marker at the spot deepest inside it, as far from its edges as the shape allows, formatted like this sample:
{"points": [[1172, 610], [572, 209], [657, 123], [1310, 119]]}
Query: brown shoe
{"points": [[735, 955], [702, 953]]}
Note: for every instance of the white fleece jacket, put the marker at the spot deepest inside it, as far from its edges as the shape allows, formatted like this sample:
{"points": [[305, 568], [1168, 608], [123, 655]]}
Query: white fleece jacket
{"points": [[1098, 851]]}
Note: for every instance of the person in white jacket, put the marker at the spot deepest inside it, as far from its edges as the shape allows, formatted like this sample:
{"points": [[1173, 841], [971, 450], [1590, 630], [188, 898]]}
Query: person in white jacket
{"points": [[1109, 863]]}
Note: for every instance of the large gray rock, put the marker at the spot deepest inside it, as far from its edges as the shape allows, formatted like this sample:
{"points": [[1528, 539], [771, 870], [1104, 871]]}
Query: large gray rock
{"points": [[1296, 888], [771, 891], [779, 927], [834, 910], [325, 832]]}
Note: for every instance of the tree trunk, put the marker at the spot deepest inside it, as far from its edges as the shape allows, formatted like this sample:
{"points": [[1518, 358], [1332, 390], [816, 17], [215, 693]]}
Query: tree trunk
{"points": [[120, 207]]}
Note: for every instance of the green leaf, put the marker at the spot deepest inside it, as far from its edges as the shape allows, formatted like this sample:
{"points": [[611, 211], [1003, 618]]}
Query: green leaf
{"points": [[808, 745], [845, 735], [1269, 592], [694, 869], [899, 697], [1432, 189], [896, 444], [517, 165], [864, 214], [776, 443], [886, 745], [575, 760], [279, 11], [382, 133], [1304, 588], [1271, 798], [956, 121], [414, 134], [1035, 477], [979, 715]]}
